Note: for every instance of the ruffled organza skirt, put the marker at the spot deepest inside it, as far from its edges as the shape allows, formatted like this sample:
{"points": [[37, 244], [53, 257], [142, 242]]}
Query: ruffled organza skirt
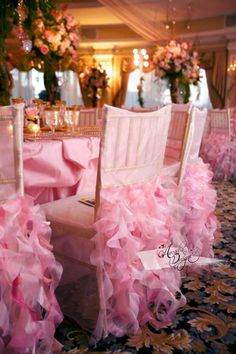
{"points": [[29, 274], [219, 151], [150, 217]]}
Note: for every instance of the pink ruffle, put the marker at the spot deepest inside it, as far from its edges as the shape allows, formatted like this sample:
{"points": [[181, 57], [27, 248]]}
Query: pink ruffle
{"points": [[29, 275], [199, 201], [219, 152], [133, 220]]}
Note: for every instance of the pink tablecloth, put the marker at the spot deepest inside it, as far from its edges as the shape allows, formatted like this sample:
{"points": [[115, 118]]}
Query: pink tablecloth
{"points": [[55, 169]]}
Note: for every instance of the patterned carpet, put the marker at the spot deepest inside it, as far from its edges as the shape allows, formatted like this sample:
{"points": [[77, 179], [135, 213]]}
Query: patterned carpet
{"points": [[207, 324]]}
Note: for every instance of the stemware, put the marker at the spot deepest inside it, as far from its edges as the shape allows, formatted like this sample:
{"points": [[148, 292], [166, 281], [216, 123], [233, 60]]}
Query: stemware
{"points": [[52, 117], [62, 105], [71, 118]]}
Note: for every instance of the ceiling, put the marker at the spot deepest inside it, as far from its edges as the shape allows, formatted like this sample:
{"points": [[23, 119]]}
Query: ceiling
{"points": [[200, 20]]}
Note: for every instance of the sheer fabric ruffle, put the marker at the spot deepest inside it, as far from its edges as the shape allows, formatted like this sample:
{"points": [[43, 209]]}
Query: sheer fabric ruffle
{"points": [[149, 217], [29, 275]]}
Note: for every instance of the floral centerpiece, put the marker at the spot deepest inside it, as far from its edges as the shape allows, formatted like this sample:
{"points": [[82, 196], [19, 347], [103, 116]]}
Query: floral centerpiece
{"points": [[179, 64], [94, 82], [55, 39]]}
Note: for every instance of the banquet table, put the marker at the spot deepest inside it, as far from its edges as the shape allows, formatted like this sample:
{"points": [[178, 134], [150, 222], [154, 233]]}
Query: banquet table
{"points": [[57, 168]]}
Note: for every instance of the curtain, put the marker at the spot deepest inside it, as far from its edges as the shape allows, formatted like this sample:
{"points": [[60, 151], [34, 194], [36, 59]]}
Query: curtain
{"points": [[232, 90], [70, 88], [215, 64], [155, 90], [29, 85], [23, 84], [127, 67], [139, 17]]}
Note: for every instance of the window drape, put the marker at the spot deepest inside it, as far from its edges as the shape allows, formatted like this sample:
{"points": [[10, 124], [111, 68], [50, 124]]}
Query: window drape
{"points": [[127, 67], [70, 88], [29, 84], [156, 91], [215, 64]]}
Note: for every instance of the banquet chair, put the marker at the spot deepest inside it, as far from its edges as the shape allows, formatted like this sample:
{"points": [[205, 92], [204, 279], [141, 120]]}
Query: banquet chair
{"points": [[216, 144], [88, 117], [177, 138], [219, 121], [11, 161], [129, 217], [29, 273], [180, 115], [196, 193]]}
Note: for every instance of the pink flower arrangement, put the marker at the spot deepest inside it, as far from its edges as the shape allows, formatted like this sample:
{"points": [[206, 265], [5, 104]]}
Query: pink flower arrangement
{"points": [[94, 81], [56, 36], [94, 78], [177, 60]]}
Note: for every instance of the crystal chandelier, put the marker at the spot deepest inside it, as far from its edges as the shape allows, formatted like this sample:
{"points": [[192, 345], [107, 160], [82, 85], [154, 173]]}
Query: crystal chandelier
{"points": [[25, 41]]}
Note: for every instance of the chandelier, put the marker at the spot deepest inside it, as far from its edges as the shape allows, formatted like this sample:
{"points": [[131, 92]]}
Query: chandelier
{"points": [[141, 58], [232, 67], [23, 37]]}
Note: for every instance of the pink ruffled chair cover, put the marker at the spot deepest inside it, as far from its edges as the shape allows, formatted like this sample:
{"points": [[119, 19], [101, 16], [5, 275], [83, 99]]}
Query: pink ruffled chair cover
{"points": [[218, 147], [138, 212], [29, 273], [198, 198], [131, 220], [197, 195], [29, 276], [134, 215]]}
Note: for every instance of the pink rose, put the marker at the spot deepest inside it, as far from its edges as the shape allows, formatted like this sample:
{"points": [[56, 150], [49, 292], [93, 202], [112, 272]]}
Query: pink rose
{"points": [[48, 34], [44, 49]]}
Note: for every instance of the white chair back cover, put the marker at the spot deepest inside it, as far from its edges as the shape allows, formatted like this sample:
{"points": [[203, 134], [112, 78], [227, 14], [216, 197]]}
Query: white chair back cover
{"points": [[199, 118], [193, 139], [11, 160], [133, 146], [219, 121]]}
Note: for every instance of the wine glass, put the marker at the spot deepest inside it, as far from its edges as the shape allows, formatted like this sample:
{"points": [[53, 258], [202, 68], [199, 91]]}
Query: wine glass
{"points": [[52, 116], [70, 118]]}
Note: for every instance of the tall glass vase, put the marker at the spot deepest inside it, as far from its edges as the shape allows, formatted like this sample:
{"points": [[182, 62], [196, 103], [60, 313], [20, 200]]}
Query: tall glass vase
{"points": [[50, 81]]}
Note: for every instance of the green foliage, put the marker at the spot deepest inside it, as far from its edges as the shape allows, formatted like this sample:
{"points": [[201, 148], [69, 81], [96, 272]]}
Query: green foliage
{"points": [[6, 84], [7, 11]]}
